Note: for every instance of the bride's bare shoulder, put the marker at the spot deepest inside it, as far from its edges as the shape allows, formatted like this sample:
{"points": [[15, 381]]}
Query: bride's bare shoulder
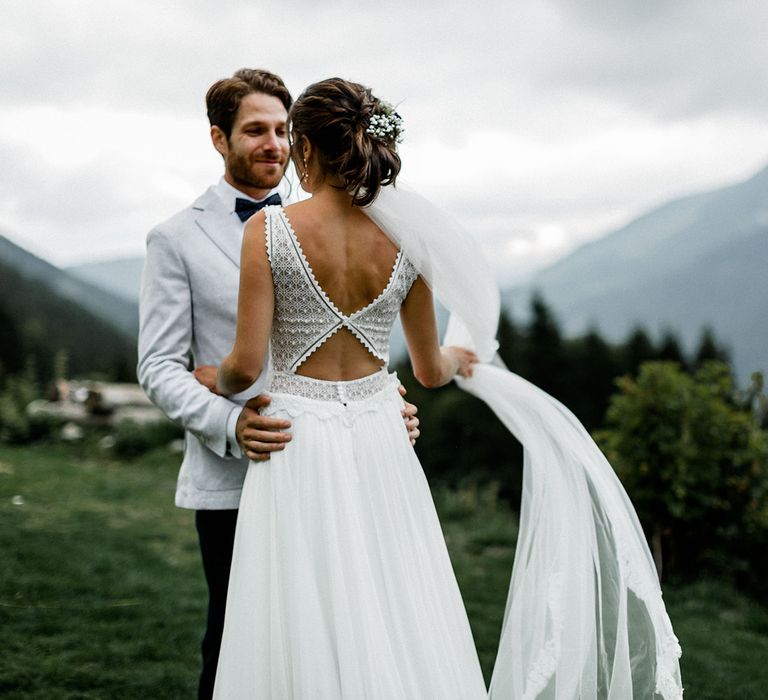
{"points": [[302, 208], [301, 213], [329, 219]]}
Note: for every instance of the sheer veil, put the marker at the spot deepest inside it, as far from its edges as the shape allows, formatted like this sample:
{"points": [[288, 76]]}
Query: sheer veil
{"points": [[584, 616]]}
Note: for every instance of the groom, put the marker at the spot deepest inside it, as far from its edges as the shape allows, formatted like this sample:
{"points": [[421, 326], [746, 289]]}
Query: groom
{"points": [[187, 312]]}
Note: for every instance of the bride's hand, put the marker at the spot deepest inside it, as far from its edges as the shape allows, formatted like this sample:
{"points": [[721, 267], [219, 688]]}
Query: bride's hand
{"points": [[206, 375], [464, 358]]}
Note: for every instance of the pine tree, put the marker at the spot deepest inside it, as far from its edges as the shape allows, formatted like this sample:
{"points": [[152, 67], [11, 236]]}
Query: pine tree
{"points": [[11, 346], [670, 350], [543, 359], [637, 349], [709, 349], [595, 366], [511, 341]]}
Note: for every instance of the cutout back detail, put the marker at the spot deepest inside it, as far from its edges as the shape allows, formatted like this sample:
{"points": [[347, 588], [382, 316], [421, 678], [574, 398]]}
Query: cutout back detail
{"points": [[305, 317]]}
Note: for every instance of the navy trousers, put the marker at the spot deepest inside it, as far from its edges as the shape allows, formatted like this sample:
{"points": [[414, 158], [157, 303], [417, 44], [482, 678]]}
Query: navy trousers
{"points": [[216, 532]]}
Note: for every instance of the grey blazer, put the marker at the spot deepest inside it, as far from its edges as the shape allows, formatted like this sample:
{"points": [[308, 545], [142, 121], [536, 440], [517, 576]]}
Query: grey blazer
{"points": [[187, 314]]}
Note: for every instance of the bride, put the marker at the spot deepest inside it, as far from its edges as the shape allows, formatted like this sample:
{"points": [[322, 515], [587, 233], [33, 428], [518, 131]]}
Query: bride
{"points": [[341, 586]]}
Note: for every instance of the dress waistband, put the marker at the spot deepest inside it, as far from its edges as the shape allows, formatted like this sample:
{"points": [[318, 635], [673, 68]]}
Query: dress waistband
{"points": [[324, 390]]}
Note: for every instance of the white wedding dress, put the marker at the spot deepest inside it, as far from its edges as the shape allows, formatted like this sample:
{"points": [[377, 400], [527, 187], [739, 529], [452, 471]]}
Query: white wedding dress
{"points": [[341, 587]]}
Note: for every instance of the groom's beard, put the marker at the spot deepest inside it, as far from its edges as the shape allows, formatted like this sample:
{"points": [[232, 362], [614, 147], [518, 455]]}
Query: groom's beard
{"points": [[254, 173]]}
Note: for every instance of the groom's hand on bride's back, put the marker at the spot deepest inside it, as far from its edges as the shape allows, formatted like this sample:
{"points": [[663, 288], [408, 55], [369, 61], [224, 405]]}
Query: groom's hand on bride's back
{"points": [[409, 416], [259, 435]]}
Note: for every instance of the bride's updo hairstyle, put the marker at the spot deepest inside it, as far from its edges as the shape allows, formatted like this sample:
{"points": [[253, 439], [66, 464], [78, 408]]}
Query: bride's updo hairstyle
{"points": [[354, 134]]}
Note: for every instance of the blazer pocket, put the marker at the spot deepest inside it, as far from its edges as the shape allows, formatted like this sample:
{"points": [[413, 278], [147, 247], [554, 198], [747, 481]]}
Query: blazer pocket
{"points": [[209, 472]]}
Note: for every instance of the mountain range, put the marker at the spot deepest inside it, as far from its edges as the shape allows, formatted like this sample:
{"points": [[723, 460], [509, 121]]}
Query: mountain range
{"points": [[48, 317], [120, 277], [118, 311], [697, 261]]}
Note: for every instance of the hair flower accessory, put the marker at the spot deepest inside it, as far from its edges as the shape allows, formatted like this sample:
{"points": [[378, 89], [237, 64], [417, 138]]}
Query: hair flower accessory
{"points": [[386, 124]]}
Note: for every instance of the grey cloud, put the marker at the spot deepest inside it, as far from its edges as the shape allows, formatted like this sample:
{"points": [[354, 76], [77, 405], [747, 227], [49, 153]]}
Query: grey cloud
{"points": [[669, 59], [88, 211], [118, 55], [458, 68], [665, 58], [624, 13], [125, 54]]}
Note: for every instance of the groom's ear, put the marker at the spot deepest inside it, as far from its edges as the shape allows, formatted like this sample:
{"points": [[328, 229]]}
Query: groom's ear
{"points": [[220, 141]]}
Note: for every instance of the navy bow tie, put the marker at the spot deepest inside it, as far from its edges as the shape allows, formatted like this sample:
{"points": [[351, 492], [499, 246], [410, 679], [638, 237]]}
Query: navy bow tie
{"points": [[246, 208]]}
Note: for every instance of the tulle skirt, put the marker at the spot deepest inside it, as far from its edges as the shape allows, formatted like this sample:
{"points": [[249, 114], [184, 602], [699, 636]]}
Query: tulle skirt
{"points": [[341, 585]]}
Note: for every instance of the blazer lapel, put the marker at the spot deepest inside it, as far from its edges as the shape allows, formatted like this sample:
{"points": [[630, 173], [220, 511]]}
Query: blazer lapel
{"points": [[218, 224]]}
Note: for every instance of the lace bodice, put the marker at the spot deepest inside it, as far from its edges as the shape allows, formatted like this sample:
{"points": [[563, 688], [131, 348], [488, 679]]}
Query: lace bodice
{"points": [[304, 316]]}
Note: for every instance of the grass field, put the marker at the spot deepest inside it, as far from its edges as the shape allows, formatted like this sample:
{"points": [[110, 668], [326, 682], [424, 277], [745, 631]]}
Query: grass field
{"points": [[102, 596]]}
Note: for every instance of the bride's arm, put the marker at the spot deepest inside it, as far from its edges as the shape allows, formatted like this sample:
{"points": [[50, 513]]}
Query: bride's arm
{"points": [[255, 307], [433, 365]]}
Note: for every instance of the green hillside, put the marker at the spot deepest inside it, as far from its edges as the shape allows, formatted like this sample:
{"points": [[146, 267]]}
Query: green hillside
{"points": [[117, 311], [37, 323]]}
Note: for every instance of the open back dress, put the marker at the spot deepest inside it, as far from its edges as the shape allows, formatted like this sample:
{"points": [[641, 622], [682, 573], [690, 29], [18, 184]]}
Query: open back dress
{"points": [[341, 586]]}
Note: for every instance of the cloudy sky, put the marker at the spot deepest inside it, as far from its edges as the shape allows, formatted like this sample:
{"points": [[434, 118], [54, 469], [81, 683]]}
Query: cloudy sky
{"points": [[540, 123]]}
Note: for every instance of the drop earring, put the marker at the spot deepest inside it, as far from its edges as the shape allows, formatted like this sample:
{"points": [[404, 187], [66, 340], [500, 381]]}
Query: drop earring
{"points": [[305, 174]]}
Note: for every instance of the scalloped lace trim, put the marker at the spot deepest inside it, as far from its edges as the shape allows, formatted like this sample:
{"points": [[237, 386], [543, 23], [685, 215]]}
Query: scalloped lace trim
{"points": [[347, 321], [667, 683], [648, 590], [316, 284]]}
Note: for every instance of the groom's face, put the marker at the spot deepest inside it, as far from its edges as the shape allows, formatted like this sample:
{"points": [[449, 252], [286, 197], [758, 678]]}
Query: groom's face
{"points": [[256, 152]]}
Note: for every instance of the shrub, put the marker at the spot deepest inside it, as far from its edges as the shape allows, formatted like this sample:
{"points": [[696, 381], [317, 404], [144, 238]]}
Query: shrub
{"points": [[695, 463], [132, 439], [16, 425]]}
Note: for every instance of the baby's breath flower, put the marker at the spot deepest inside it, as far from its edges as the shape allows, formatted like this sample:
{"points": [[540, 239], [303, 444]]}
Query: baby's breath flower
{"points": [[385, 124]]}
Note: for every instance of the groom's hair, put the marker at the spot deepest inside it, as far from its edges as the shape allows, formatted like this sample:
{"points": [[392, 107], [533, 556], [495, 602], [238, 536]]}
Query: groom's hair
{"points": [[224, 96]]}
